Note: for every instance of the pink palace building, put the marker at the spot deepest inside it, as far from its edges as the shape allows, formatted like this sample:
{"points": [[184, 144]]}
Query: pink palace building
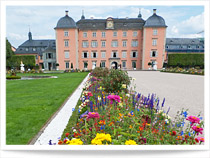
{"points": [[126, 43]]}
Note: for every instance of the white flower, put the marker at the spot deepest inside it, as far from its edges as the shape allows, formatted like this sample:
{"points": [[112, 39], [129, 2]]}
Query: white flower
{"points": [[128, 95], [79, 107], [166, 121], [99, 98], [87, 100], [74, 130]]}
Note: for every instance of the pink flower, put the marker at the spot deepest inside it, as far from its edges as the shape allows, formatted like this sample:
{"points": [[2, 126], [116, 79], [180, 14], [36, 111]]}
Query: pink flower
{"points": [[114, 97], [193, 119], [197, 129], [201, 139], [90, 94], [93, 115]]}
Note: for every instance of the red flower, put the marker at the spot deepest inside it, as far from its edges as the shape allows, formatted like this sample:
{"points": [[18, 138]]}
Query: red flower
{"points": [[60, 142], [67, 134], [174, 133], [65, 141], [197, 129], [193, 119], [196, 139]]}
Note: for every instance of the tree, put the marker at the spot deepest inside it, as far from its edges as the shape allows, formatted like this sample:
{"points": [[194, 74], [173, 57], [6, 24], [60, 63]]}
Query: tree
{"points": [[9, 53]]}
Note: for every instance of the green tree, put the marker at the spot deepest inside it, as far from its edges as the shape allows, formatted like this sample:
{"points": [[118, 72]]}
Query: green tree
{"points": [[9, 53]]}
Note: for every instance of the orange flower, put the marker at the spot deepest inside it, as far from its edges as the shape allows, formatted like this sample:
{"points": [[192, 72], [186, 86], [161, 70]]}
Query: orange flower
{"points": [[130, 126], [60, 142]]}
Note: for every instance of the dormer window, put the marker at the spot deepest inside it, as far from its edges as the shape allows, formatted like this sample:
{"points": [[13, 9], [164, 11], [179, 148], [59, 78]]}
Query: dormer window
{"points": [[26, 49], [34, 49]]}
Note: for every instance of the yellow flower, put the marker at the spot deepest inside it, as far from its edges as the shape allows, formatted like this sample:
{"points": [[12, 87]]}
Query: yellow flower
{"points": [[74, 142], [130, 142], [100, 137], [123, 85]]}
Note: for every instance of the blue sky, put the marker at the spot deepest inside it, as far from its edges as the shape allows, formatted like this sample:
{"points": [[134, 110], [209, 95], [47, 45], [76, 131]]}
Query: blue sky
{"points": [[182, 21]]}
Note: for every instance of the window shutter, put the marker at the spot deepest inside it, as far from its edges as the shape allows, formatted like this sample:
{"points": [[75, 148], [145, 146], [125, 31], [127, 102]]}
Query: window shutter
{"points": [[88, 54], [150, 53], [82, 54], [136, 54], [156, 53], [96, 54], [116, 54], [131, 54], [91, 54], [112, 55]]}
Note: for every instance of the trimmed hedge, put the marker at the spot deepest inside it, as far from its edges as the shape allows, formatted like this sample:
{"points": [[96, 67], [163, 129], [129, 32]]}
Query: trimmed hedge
{"points": [[186, 60], [13, 77], [28, 61]]}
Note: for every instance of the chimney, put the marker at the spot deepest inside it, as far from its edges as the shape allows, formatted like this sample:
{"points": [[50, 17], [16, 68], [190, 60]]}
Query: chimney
{"points": [[154, 11], [66, 12]]}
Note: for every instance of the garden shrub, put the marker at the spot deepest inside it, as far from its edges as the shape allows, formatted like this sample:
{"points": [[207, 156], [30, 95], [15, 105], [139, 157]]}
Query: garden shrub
{"points": [[100, 72], [114, 81], [13, 77], [186, 60]]}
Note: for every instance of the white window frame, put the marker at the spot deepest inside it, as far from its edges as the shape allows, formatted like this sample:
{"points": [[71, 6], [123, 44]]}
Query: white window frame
{"points": [[124, 54], [155, 32], [151, 53], [85, 44], [94, 34], [67, 67], [154, 42], [103, 34], [85, 34], [124, 43], [103, 54], [103, 43], [124, 33], [34, 49], [114, 43], [66, 54], [102, 64], [66, 33], [66, 43], [83, 54], [114, 33], [94, 44], [135, 33], [134, 43]]}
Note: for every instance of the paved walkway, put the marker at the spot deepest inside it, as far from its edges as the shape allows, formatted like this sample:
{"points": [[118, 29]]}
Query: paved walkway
{"points": [[55, 128], [180, 90]]}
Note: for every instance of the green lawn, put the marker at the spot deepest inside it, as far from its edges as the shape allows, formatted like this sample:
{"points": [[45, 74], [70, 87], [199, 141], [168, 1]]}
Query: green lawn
{"points": [[30, 103]]}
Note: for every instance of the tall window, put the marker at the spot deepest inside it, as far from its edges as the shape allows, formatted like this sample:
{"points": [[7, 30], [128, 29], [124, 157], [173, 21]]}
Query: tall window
{"points": [[103, 64], [154, 42], [26, 49], [103, 43], [114, 43], [94, 44], [134, 43], [134, 33], [124, 43], [154, 31], [124, 34], [36, 56], [134, 54], [103, 34], [94, 54], [85, 55], [66, 33], [94, 34], [85, 64], [84, 34], [114, 54], [84, 44], [66, 54], [153, 53], [103, 54], [115, 34], [124, 64], [67, 65], [66, 43], [133, 64], [124, 54]]}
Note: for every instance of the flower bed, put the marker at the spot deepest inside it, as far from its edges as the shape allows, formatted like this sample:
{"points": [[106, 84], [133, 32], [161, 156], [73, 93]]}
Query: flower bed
{"points": [[128, 118], [193, 71]]}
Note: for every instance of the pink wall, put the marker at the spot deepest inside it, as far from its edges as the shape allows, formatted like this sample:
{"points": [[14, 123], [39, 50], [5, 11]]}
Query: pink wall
{"points": [[72, 48], [109, 37], [160, 47]]}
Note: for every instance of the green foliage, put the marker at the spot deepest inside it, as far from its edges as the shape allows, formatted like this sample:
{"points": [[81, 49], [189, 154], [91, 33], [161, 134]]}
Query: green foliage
{"points": [[114, 80], [186, 60], [28, 61], [100, 72], [9, 52], [13, 77]]}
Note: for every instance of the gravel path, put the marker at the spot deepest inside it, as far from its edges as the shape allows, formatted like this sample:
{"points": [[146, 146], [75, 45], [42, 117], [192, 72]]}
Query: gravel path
{"points": [[180, 90]]}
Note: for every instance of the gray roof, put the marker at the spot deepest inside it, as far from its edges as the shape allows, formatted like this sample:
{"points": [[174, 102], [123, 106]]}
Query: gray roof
{"points": [[155, 21], [184, 41], [40, 46], [119, 23], [66, 22]]}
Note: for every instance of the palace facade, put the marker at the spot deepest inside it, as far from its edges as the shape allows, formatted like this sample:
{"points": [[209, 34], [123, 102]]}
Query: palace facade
{"points": [[126, 43]]}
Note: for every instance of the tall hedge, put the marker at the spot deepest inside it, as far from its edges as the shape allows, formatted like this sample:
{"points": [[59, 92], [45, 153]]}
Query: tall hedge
{"points": [[28, 61], [186, 60]]}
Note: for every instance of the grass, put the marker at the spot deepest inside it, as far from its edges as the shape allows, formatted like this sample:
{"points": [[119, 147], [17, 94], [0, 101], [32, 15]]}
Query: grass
{"points": [[30, 103]]}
